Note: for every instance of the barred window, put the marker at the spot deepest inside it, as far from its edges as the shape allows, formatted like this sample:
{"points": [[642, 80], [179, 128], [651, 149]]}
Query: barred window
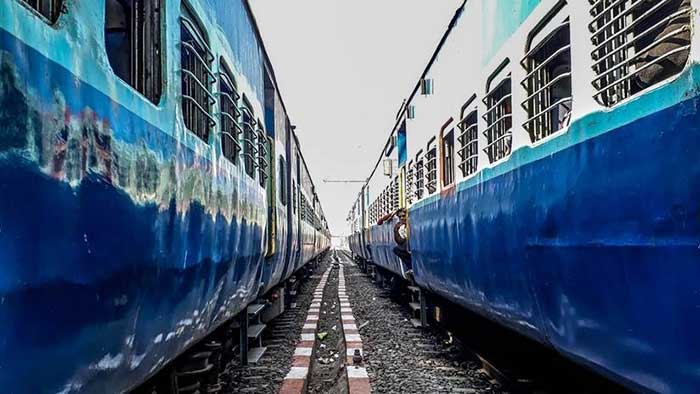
{"points": [[263, 149], [197, 76], [382, 203], [448, 158], [133, 44], [230, 115], [499, 121], [294, 197], [409, 182], [395, 194], [419, 176], [49, 9], [250, 154], [283, 181], [468, 142], [431, 167], [548, 84], [638, 43]]}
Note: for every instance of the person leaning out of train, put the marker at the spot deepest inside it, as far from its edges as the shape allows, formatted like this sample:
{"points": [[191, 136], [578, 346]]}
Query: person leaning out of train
{"points": [[400, 237]]}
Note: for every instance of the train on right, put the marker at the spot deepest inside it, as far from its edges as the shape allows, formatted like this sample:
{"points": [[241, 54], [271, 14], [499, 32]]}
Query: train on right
{"points": [[548, 164]]}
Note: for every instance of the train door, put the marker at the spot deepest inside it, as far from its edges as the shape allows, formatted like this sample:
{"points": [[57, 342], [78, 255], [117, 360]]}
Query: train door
{"points": [[290, 252], [300, 235], [270, 188]]}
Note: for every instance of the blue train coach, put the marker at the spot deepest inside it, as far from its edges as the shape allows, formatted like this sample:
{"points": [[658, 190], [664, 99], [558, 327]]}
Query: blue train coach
{"points": [[151, 186], [548, 159]]}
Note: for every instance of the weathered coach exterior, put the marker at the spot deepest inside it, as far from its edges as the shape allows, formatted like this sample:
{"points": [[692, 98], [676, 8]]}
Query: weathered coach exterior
{"points": [[585, 237], [124, 236]]}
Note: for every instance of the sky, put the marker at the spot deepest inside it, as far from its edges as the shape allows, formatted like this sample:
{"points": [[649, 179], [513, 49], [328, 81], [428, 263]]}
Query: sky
{"points": [[343, 68]]}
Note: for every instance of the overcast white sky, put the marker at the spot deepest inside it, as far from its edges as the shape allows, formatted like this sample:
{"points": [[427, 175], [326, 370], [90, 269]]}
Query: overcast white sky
{"points": [[344, 67]]}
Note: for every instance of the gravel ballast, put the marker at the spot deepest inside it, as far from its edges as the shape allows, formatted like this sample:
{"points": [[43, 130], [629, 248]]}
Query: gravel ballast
{"points": [[403, 359], [280, 338]]}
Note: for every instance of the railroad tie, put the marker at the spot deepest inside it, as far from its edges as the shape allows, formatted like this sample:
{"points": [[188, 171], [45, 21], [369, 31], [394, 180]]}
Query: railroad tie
{"points": [[296, 380], [358, 380]]}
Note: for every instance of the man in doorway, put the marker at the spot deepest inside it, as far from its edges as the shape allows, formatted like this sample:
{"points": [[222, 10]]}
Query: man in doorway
{"points": [[400, 237]]}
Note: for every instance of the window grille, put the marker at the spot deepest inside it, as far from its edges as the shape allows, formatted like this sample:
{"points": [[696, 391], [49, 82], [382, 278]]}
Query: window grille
{"points": [[49, 9], [382, 203], [395, 194], [548, 84], [409, 183], [133, 44], [469, 143], [448, 158], [249, 144], [388, 199], [230, 128], [262, 155], [499, 130], [283, 181], [197, 77], [431, 168], [420, 176], [638, 43]]}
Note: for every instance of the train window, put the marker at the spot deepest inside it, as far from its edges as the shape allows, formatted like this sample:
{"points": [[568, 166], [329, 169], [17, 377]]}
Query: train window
{"points": [[468, 139], [49, 9], [230, 129], [197, 76], [548, 83], [409, 182], [249, 133], [499, 121], [431, 167], [637, 44], [395, 194], [263, 150], [133, 44], [448, 158], [420, 175], [283, 181]]}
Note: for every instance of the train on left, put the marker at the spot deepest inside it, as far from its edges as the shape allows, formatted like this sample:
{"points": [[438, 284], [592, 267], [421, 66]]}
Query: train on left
{"points": [[152, 186]]}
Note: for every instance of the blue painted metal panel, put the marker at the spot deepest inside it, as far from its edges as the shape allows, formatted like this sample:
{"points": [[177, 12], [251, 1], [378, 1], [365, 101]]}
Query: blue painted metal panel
{"points": [[401, 143], [503, 18], [232, 17], [119, 246], [592, 248], [382, 244]]}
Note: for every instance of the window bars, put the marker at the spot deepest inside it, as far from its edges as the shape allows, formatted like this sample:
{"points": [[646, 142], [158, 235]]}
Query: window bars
{"points": [[420, 176], [283, 180], [197, 78], [262, 155], [395, 194], [49, 9], [431, 168], [230, 128], [638, 43], [133, 44], [548, 84], [409, 183], [499, 130], [469, 144], [448, 158], [249, 133]]}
